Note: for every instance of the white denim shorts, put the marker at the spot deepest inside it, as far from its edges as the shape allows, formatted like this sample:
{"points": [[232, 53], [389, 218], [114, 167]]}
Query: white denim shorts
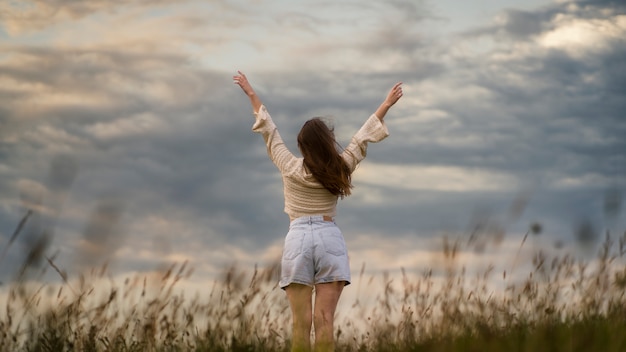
{"points": [[314, 252]]}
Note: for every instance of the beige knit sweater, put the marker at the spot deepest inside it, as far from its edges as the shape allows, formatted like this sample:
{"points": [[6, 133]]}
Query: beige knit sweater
{"points": [[303, 194]]}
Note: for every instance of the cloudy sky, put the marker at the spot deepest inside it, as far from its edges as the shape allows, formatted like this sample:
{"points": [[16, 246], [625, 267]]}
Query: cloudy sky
{"points": [[123, 134]]}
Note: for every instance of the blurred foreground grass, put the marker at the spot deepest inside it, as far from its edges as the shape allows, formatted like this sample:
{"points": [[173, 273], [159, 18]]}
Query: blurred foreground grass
{"points": [[563, 304], [552, 302]]}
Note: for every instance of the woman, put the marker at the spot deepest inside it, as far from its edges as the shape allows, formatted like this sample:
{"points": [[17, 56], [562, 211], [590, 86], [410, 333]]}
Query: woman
{"points": [[315, 255]]}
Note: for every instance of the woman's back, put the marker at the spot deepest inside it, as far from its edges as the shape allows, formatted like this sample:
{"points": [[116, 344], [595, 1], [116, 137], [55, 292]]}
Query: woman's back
{"points": [[304, 194]]}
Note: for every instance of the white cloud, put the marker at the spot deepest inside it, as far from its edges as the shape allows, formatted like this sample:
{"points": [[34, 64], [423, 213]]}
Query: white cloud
{"points": [[573, 182], [434, 177], [140, 124], [580, 36]]}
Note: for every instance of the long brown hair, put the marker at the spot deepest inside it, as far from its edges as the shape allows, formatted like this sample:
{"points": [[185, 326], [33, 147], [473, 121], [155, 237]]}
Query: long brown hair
{"points": [[319, 149]]}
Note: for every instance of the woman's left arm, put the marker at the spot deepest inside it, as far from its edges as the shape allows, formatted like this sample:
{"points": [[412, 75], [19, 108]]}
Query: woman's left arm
{"points": [[241, 80], [276, 149]]}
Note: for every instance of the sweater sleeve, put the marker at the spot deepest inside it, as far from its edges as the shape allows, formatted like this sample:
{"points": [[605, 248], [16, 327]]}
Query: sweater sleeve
{"points": [[276, 149], [373, 130]]}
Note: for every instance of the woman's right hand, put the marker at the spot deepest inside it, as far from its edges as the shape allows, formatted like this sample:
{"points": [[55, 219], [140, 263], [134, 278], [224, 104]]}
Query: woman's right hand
{"points": [[394, 94], [392, 97]]}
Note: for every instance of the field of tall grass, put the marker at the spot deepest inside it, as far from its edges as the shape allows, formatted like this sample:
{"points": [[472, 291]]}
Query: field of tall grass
{"points": [[553, 303], [562, 305]]}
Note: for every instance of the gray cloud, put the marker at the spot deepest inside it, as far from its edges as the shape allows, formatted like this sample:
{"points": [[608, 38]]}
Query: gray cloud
{"points": [[171, 138], [516, 24], [28, 15], [539, 110], [603, 4]]}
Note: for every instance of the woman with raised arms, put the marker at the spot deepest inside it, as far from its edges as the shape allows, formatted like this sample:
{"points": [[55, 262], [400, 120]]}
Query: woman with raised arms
{"points": [[315, 258]]}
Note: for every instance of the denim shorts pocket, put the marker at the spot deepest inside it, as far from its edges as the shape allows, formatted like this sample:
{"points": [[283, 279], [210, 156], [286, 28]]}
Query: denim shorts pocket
{"points": [[293, 247], [334, 242]]}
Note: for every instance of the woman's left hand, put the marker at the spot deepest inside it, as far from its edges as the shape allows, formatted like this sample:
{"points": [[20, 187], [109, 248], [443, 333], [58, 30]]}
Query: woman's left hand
{"points": [[242, 81]]}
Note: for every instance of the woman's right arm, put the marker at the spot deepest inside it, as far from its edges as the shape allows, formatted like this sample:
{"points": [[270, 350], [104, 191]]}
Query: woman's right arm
{"points": [[241, 80], [392, 97], [373, 130]]}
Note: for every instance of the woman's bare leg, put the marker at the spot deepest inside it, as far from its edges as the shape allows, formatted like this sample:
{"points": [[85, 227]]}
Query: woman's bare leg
{"points": [[301, 307], [326, 298]]}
